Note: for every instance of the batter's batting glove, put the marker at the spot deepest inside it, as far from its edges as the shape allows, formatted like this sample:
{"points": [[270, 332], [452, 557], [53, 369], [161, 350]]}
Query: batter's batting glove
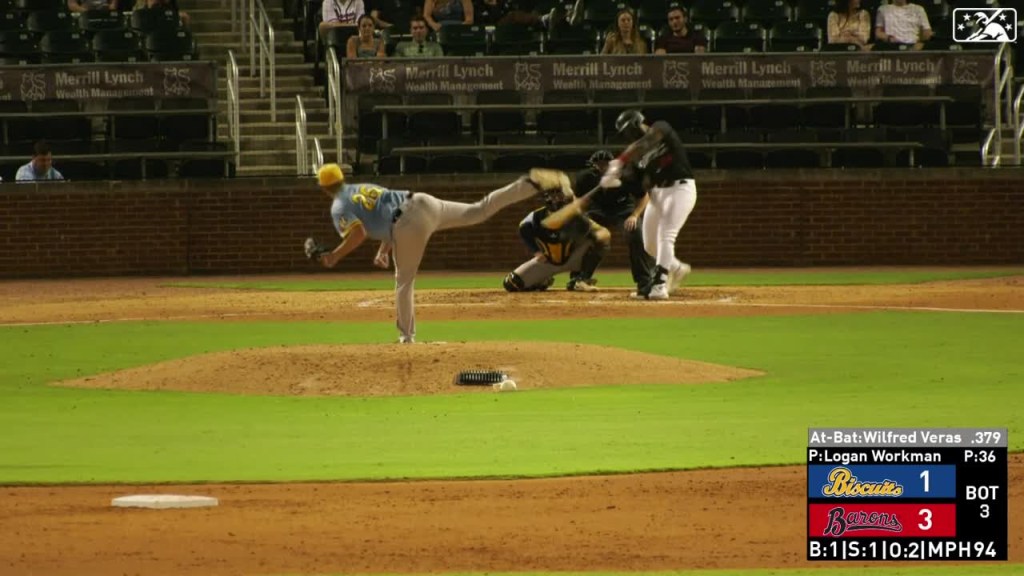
{"points": [[612, 177], [314, 250]]}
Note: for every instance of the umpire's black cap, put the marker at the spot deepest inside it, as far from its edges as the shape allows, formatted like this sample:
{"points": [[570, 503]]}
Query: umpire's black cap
{"points": [[601, 156]]}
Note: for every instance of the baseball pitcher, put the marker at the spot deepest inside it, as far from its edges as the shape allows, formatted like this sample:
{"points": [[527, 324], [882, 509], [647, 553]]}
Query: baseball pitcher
{"points": [[579, 243], [403, 222]]}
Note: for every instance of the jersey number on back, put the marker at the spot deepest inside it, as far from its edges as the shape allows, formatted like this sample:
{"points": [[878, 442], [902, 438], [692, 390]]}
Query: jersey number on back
{"points": [[367, 196]]}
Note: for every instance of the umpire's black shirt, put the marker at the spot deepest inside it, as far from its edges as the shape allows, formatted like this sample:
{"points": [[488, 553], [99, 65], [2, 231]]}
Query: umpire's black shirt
{"points": [[609, 201]]}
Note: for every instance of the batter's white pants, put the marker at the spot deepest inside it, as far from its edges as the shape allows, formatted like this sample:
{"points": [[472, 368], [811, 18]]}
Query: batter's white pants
{"points": [[422, 215], [666, 213]]}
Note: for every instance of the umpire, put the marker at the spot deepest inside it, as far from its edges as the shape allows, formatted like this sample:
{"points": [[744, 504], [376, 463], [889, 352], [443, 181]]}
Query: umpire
{"points": [[614, 208]]}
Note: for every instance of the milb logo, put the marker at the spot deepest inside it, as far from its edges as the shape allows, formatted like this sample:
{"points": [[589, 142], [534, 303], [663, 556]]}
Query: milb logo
{"points": [[984, 25]]}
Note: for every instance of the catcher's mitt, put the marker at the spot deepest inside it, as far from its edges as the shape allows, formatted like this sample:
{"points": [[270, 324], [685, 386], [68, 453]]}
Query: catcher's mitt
{"points": [[314, 250]]}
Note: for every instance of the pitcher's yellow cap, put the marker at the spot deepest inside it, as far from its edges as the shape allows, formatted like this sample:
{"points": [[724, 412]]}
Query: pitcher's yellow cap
{"points": [[330, 174]]}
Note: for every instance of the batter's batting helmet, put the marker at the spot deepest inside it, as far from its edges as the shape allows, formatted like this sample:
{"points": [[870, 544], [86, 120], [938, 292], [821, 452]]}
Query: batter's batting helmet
{"points": [[629, 123]]}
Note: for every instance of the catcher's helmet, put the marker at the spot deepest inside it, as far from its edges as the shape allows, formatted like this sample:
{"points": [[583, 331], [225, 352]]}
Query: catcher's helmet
{"points": [[629, 123], [600, 157], [555, 198]]}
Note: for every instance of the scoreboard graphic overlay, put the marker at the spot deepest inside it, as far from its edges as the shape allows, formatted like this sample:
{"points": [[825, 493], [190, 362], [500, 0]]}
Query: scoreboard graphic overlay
{"points": [[906, 494]]}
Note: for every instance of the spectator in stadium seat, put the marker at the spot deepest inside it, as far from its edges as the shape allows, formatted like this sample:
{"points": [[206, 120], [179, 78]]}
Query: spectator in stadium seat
{"points": [[679, 39], [903, 23], [87, 5], [41, 166], [848, 23], [626, 38], [438, 12], [386, 13], [419, 46], [365, 44], [503, 12], [164, 5], [338, 13]]}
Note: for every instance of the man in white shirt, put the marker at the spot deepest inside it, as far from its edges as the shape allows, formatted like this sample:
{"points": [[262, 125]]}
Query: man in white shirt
{"points": [[41, 166], [902, 23], [340, 13]]}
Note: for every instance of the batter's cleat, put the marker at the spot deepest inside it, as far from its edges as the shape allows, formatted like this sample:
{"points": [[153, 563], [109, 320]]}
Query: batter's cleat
{"points": [[658, 292], [406, 340], [677, 275], [582, 285]]}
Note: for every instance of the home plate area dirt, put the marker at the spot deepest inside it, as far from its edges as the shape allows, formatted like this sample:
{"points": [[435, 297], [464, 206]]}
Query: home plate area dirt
{"points": [[732, 518]]}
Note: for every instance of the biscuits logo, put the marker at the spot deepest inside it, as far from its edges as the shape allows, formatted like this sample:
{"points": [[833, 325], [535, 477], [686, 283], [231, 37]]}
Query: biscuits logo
{"points": [[842, 483], [675, 74], [965, 71], [984, 24], [527, 76], [177, 81], [383, 79], [823, 73], [33, 86], [840, 522]]}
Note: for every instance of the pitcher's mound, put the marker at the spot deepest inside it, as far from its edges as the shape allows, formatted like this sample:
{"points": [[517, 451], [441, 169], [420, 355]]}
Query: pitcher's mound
{"points": [[402, 370]]}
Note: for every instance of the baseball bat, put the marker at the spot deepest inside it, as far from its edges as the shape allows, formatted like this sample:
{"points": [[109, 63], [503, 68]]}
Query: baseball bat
{"points": [[559, 217]]}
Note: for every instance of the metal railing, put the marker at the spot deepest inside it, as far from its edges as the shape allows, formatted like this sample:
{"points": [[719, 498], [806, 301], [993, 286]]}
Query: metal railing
{"points": [[261, 40], [301, 167], [238, 16], [1018, 123], [1002, 81], [334, 109], [317, 155], [234, 106]]}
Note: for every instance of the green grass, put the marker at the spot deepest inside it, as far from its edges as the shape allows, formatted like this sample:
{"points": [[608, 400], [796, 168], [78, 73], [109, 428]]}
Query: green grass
{"points": [[782, 277], [876, 369]]}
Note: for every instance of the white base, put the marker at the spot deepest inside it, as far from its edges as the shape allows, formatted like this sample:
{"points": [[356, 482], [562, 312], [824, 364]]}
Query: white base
{"points": [[162, 501]]}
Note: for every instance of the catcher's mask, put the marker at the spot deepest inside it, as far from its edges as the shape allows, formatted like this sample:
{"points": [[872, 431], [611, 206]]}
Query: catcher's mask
{"points": [[556, 198], [630, 124], [600, 158]]}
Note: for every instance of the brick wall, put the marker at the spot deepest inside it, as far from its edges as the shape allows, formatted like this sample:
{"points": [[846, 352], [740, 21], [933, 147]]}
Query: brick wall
{"points": [[778, 218]]}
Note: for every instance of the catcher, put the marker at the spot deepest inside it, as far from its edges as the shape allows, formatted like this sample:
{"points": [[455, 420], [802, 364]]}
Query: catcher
{"points": [[403, 222], [579, 243]]}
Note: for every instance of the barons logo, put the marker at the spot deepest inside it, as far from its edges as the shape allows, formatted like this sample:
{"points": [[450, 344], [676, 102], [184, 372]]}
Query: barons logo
{"points": [[841, 522], [842, 483]]}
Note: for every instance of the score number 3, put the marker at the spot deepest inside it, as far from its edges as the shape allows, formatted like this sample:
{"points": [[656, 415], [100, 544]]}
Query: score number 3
{"points": [[367, 196], [927, 524]]}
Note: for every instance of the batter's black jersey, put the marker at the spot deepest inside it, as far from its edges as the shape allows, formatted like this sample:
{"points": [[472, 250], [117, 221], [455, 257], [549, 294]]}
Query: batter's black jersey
{"points": [[556, 245], [668, 161], [609, 201]]}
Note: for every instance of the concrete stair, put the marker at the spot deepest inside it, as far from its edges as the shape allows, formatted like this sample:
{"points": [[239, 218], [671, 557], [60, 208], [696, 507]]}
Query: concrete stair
{"points": [[267, 144]]}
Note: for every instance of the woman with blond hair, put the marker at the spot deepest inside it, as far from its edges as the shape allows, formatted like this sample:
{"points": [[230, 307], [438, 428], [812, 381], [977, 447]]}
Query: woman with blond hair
{"points": [[626, 38]]}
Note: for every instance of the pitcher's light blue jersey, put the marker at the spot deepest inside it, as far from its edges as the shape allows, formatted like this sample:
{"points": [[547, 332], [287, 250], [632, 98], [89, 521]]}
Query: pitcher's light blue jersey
{"points": [[372, 205]]}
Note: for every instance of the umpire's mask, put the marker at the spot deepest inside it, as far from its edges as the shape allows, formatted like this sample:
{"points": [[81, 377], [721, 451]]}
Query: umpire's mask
{"points": [[630, 124]]}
